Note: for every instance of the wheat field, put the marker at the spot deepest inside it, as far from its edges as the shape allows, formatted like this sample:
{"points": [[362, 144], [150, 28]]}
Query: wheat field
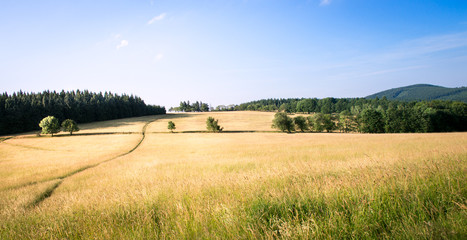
{"points": [[111, 181]]}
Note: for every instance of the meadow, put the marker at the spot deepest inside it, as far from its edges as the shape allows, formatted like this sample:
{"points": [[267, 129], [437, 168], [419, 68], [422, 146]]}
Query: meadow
{"points": [[133, 179]]}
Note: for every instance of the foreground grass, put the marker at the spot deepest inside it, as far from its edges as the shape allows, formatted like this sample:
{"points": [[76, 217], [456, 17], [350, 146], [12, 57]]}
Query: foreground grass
{"points": [[257, 185]]}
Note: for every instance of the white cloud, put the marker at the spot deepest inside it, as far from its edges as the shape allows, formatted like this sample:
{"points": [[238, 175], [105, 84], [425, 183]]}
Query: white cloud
{"points": [[123, 43], [429, 45], [158, 57], [157, 18], [325, 2], [404, 58], [117, 36]]}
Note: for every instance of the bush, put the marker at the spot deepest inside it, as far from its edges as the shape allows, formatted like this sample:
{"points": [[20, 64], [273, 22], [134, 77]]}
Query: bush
{"points": [[212, 125]]}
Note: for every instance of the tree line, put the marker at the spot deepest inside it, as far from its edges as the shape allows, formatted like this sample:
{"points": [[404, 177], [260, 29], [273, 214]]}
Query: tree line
{"points": [[397, 118], [372, 115], [21, 112], [193, 107]]}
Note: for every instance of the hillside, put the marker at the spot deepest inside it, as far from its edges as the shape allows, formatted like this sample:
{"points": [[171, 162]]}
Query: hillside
{"points": [[133, 179], [423, 92]]}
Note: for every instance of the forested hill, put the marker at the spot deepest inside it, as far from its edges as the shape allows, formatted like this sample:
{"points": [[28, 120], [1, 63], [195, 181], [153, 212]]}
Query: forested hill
{"points": [[423, 92], [21, 112]]}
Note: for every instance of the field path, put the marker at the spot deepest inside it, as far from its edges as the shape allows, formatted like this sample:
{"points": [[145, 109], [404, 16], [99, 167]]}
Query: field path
{"points": [[4, 139], [49, 191]]}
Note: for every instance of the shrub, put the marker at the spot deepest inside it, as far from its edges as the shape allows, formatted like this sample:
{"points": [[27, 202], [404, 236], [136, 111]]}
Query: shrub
{"points": [[212, 125]]}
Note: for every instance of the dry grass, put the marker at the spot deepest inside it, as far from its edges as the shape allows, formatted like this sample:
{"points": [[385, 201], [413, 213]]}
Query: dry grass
{"points": [[231, 121], [242, 185], [126, 125], [28, 160]]}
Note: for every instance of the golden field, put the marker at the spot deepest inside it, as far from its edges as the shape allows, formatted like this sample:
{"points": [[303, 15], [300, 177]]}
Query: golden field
{"points": [[247, 183]]}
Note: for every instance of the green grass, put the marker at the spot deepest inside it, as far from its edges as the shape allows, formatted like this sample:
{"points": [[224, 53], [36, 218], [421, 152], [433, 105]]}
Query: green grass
{"points": [[428, 208]]}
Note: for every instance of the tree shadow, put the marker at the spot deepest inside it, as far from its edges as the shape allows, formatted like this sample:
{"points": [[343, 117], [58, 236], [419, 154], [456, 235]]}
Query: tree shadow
{"points": [[224, 131]]}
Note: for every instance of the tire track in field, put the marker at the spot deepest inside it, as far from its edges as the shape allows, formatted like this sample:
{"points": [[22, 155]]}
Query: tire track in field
{"points": [[28, 147], [4, 139], [144, 132], [49, 191]]}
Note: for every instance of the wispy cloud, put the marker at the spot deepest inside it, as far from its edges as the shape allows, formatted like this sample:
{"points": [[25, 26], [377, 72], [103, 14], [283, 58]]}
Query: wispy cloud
{"points": [[325, 2], [428, 45], [158, 57], [157, 18], [417, 49], [405, 57], [392, 70], [123, 43]]}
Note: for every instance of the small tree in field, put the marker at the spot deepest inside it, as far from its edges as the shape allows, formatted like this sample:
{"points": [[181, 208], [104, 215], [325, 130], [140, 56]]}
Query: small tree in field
{"points": [[171, 126], [70, 126], [212, 125], [49, 125], [300, 123], [283, 122]]}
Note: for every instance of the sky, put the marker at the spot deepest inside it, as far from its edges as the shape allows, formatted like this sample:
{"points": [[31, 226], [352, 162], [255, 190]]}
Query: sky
{"points": [[231, 51]]}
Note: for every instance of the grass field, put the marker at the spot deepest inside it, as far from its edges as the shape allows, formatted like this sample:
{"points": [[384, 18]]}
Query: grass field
{"points": [[248, 183]]}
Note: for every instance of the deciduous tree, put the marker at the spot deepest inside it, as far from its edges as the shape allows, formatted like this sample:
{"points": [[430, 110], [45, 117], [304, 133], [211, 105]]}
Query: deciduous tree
{"points": [[371, 121], [300, 123], [50, 125], [171, 126], [283, 122], [346, 121], [70, 126]]}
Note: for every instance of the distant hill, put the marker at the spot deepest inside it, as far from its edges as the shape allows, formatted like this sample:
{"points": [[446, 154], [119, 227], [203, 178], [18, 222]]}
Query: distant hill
{"points": [[423, 92]]}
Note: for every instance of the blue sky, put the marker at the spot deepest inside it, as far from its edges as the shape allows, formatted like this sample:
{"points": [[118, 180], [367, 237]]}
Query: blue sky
{"points": [[231, 51]]}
